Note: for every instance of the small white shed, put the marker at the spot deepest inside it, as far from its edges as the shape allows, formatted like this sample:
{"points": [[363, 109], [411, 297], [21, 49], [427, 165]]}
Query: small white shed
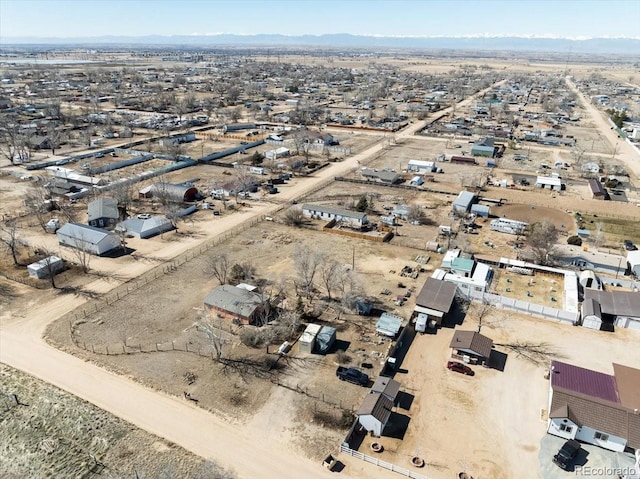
{"points": [[308, 338], [374, 413], [45, 267]]}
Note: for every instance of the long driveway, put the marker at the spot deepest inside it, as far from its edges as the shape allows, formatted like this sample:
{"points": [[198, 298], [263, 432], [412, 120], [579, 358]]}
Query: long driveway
{"points": [[197, 430]]}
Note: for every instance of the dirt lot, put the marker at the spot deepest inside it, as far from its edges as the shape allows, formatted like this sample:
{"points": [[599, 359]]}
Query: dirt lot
{"points": [[538, 289], [54, 434], [169, 321], [490, 425]]}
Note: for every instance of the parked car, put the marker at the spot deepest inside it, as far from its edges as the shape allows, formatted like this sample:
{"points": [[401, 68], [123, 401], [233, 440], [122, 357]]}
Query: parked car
{"points": [[460, 368], [144, 216], [352, 375], [566, 454], [629, 246]]}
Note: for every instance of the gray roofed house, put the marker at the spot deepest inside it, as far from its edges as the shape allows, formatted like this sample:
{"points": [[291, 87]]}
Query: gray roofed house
{"points": [[93, 240], [231, 302], [384, 176], [436, 298], [386, 386], [103, 213], [143, 229], [353, 218], [472, 344], [374, 412], [594, 407]]}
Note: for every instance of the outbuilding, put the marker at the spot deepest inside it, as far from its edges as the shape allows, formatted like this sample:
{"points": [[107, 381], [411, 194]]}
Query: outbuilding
{"points": [[481, 211], [462, 203], [633, 262], [598, 191], [325, 339], [175, 193], [375, 412], [143, 229], [352, 218], [307, 340], [389, 325], [420, 166], [435, 299], [550, 182], [485, 147], [471, 347], [87, 238], [46, 267]]}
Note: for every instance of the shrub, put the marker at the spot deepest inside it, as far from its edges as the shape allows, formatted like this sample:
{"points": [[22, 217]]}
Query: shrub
{"points": [[253, 338], [574, 240], [343, 357]]}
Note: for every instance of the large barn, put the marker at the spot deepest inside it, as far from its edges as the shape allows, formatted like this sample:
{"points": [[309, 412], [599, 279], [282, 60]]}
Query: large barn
{"points": [[93, 240]]}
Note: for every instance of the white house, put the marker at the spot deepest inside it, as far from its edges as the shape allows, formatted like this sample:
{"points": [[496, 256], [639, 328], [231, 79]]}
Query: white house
{"points": [[88, 238], [594, 407], [355, 219], [277, 153], [374, 412]]}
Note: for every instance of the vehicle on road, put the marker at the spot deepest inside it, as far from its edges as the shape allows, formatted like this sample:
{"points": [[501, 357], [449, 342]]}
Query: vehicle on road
{"points": [[144, 216], [352, 375], [566, 454], [460, 368], [629, 246]]}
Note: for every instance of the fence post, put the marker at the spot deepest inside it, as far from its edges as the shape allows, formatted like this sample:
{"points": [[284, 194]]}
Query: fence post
{"points": [[107, 350], [173, 346], [123, 349], [156, 347]]}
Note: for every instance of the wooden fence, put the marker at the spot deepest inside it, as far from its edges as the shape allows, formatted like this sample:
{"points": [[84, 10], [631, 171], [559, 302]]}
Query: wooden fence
{"points": [[383, 464]]}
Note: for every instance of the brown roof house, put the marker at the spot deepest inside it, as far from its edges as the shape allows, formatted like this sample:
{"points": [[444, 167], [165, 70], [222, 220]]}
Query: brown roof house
{"points": [[435, 299], [470, 346], [594, 407], [233, 303]]}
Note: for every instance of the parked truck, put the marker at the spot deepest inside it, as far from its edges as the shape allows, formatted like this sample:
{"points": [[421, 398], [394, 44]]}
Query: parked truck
{"points": [[352, 375]]}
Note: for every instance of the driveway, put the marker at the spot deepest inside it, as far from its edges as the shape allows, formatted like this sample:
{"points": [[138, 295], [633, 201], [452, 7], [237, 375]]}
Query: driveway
{"points": [[592, 461]]}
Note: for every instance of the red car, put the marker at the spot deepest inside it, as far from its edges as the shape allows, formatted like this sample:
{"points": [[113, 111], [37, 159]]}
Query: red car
{"points": [[460, 368]]}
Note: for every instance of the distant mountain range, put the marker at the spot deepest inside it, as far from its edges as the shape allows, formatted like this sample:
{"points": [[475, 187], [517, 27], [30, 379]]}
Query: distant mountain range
{"points": [[622, 46]]}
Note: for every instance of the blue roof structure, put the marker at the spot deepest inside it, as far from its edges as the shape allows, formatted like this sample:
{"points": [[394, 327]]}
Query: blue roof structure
{"points": [[389, 324]]}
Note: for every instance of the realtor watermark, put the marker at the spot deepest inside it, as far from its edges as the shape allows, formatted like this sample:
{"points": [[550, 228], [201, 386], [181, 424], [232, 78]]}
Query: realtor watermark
{"points": [[604, 471]]}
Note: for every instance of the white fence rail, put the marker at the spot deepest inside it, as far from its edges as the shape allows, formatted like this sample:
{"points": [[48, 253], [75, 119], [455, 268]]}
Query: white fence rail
{"points": [[377, 462], [519, 306]]}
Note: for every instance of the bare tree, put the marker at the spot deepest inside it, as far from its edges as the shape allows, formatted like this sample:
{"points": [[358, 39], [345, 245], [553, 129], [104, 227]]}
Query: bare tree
{"points": [[9, 238], [81, 253], [214, 333], [55, 137], [541, 240], [306, 265], [9, 137], [415, 214], [329, 273], [36, 203], [49, 265], [218, 266]]}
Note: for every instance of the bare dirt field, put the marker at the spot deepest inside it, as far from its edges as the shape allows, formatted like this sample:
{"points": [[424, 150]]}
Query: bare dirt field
{"points": [[539, 289], [534, 214], [54, 434], [490, 425]]}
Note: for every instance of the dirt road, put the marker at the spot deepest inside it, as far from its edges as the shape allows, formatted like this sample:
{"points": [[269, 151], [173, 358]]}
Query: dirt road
{"points": [[621, 149], [22, 347]]}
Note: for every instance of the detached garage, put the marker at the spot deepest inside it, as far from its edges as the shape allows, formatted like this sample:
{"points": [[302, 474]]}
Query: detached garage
{"points": [[88, 238]]}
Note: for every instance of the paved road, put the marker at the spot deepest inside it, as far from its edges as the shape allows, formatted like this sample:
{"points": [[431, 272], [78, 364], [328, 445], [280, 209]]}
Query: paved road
{"points": [[209, 436]]}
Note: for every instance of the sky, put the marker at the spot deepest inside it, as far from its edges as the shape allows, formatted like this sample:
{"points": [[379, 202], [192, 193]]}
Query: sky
{"points": [[556, 18]]}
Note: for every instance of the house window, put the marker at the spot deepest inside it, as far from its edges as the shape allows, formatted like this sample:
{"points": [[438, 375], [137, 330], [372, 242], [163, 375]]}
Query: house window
{"points": [[601, 436], [565, 428]]}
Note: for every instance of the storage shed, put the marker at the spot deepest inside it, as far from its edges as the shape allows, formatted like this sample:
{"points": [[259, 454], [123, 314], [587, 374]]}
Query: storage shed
{"points": [[598, 191], [51, 265], [88, 238], [307, 340], [325, 339], [374, 413], [591, 314], [462, 204], [175, 193], [481, 211], [470, 346]]}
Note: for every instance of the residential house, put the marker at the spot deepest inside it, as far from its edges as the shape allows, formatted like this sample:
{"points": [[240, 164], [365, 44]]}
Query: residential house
{"points": [[594, 407], [383, 176], [146, 228], [387, 387], [93, 240], [351, 218], [435, 299], [598, 191], [103, 213], [485, 147], [233, 303], [420, 166], [470, 346], [550, 182]]}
